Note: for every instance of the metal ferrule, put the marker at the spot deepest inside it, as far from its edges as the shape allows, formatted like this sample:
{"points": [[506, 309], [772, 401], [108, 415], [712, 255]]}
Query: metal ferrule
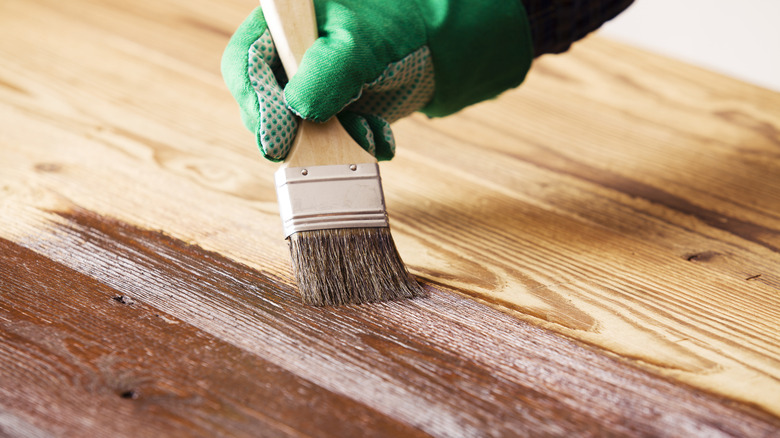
{"points": [[328, 197]]}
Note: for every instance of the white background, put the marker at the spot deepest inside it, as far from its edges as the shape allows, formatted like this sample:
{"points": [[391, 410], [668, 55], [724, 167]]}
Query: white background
{"points": [[740, 38]]}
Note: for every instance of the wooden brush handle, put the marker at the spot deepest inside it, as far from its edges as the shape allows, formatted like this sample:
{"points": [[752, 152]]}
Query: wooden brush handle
{"points": [[293, 27]]}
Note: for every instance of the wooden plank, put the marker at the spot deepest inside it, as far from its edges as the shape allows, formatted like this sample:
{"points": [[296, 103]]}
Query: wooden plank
{"points": [[619, 199], [244, 356], [642, 217], [80, 356]]}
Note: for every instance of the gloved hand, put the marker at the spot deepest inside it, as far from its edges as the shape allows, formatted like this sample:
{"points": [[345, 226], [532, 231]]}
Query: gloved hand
{"points": [[375, 62]]}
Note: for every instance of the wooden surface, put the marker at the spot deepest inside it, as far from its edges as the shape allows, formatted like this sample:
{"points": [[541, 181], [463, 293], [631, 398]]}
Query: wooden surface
{"points": [[602, 249]]}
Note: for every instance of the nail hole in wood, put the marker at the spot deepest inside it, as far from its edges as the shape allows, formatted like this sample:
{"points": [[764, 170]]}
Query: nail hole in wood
{"points": [[124, 299], [704, 256], [130, 394]]}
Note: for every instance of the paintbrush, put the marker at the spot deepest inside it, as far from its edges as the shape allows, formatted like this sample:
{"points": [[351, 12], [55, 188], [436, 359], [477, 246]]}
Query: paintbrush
{"points": [[330, 195]]}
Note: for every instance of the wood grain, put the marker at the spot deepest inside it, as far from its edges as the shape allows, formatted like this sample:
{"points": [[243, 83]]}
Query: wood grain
{"points": [[82, 356], [635, 217], [618, 200], [242, 356]]}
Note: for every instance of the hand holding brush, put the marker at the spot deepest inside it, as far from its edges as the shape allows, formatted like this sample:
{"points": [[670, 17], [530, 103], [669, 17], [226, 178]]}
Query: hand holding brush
{"points": [[330, 195], [371, 62]]}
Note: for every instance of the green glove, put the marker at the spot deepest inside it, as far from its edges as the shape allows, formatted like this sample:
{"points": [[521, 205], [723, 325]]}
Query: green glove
{"points": [[377, 61]]}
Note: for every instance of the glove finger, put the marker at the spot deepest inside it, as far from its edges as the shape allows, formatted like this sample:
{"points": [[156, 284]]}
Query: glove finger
{"points": [[235, 61], [357, 42], [402, 88], [359, 129], [383, 137], [276, 126], [249, 64], [331, 76], [371, 132]]}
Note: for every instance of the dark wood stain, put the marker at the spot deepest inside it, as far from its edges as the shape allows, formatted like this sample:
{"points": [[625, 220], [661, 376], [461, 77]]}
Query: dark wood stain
{"points": [[126, 331], [77, 357]]}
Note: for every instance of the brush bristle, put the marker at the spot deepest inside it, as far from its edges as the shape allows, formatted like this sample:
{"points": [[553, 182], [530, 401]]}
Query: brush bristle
{"points": [[350, 266]]}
